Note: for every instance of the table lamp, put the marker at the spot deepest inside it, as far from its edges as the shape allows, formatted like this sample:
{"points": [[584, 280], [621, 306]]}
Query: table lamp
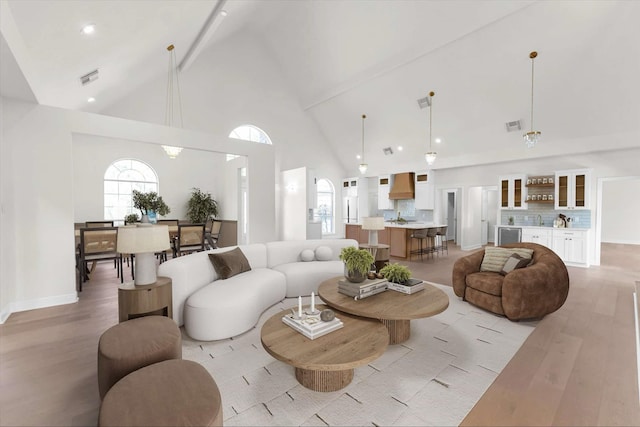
{"points": [[373, 224], [144, 240]]}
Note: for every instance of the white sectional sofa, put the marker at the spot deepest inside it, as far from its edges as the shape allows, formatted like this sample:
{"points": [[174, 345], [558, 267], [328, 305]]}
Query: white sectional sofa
{"points": [[213, 309]]}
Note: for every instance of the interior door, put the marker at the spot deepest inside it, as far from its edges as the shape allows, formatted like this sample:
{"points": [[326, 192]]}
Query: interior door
{"points": [[451, 215]]}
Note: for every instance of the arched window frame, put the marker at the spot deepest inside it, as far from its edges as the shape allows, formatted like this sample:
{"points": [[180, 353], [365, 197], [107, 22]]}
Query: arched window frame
{"points": [[120, 179], [326, 202], [249, 132]]}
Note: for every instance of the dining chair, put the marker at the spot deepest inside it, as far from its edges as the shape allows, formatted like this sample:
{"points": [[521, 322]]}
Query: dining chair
{"points": [[212, 233], [190, 239], [173, 224], [98, 244], [98, 224]]}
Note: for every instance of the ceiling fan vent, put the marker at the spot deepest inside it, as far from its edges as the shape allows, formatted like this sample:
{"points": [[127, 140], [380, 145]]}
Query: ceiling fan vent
{"points": [[89, 77], [513, 126]]}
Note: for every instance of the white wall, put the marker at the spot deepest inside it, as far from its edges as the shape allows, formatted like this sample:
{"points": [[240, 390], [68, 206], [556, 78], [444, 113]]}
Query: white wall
{"points": [[294, 204], [37, 194], [92, 156], [620, 211]]}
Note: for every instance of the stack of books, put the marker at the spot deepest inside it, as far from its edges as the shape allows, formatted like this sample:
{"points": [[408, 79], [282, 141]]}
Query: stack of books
{"points": [[363, 289], [311, 326], [411, 286]]}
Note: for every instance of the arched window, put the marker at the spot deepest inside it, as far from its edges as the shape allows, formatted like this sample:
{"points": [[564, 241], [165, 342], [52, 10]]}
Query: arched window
{"points": [[326, 202], [250, 133], [121, 178]]}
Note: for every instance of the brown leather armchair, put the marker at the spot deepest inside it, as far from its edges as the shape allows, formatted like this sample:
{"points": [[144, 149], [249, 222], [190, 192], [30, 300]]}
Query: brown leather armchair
{"points": [[525, 293]]}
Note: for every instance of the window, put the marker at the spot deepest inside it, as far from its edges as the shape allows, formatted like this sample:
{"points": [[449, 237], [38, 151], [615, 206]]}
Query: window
{"points": [[121, 178], [250, 133], [325, 212]]}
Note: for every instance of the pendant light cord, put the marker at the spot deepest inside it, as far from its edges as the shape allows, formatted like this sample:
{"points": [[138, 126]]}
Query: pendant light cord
{"points": [[169, 112], [363, 117], [430, 118], [532, 55]]}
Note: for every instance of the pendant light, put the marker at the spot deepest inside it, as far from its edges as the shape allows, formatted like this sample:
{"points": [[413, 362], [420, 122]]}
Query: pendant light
{"points": [[533, 136], [172, 151], [430, 156], [363, 166]]}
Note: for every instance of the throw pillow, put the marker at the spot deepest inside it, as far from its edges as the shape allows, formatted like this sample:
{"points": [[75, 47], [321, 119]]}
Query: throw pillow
{"points": [[324, 253], [307, 255], [514, 262], [228, 264], [495, 257]]}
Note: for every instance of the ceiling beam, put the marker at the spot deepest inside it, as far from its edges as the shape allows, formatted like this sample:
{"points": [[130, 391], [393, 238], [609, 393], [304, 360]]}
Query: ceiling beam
{"points": [[209, 27]]}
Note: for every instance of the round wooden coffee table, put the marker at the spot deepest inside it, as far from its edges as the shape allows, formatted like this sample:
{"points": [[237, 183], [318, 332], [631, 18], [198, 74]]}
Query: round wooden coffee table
{"points": [[394, 309], [325, 363]]}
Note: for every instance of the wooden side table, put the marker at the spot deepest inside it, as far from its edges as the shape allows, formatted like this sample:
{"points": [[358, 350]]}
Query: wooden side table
{"points": [[137, 301], [380, 254]]}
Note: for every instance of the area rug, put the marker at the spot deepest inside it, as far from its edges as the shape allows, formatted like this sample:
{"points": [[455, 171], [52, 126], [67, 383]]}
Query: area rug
{"points": [[434, 378]]}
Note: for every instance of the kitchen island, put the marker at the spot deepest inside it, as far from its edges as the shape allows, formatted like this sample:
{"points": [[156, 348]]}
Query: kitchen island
{"points": [[396, 235]]}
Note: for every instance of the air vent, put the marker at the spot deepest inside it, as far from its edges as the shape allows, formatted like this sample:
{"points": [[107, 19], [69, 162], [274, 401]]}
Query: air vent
{"points": [[513, 126], [89, 77], [424, 102], [387, 151]]}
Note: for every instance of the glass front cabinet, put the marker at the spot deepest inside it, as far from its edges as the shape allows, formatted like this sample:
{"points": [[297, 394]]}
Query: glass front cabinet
{"points": [[511, 192], [572, 189]]}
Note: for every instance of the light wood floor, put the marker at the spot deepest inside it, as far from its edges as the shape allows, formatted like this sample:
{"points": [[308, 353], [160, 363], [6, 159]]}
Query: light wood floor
{"points": [[577, 368]]}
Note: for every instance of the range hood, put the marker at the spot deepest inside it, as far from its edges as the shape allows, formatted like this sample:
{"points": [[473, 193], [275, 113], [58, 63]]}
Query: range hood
{"points": [[403, 186]]}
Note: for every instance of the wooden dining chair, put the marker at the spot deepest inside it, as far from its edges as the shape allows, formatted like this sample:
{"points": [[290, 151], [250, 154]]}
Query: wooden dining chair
{"points": [[98, 224], [172, 235], [98, 244], [190, 239], [212, 233]]}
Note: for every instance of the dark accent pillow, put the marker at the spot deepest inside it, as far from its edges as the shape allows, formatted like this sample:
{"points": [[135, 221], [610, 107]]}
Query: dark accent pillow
{"points": [[228, 264], [514, 262]]}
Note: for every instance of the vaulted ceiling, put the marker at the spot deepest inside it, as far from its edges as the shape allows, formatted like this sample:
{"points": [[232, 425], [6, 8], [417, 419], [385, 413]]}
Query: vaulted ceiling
{"points": [[346, 58]]}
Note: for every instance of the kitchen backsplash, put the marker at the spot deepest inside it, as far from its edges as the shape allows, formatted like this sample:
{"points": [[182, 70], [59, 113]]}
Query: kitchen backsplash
{"points": [[580, 218]]}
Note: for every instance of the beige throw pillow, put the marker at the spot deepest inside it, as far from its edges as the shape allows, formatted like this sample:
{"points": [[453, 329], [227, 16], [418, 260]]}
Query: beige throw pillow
{"points": [[228, 264], [495, 257]]}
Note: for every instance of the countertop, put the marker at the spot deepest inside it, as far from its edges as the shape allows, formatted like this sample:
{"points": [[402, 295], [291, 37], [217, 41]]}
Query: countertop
{"points": [[545, 227], [408, 225]]}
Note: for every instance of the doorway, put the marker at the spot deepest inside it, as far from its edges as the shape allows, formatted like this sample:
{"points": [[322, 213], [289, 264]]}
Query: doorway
{"points": [[450, 213]]}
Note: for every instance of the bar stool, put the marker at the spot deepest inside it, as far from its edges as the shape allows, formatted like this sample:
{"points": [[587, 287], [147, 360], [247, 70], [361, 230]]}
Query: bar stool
{"points": [[421, 235], [432, 234], [444, 243]]}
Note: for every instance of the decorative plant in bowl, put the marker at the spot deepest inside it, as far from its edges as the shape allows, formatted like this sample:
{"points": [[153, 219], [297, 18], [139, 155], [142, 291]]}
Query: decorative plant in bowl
{"points": [[396, 273], [132, 218], [357, 263], [149, 202]]}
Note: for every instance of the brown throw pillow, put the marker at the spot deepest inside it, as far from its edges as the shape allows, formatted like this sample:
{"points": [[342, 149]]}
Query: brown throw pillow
{"points": [[228, 264], [514, 262]]}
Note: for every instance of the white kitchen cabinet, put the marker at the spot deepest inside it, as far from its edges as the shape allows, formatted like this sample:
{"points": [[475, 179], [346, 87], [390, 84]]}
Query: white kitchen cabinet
{"points": [[537, 235], [350, 187], [572, 189], [511, 192], [384, 186], [424, 190], [571, 245]]}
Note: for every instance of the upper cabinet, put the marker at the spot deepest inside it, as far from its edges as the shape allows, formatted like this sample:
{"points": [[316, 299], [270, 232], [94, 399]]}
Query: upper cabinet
{"points": [[572, 189], [384, 186], [350, 187], [425, 190], [511, 194]]}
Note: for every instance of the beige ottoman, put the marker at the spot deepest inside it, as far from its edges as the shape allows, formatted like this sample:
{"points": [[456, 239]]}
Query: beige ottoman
{"points": [[169, 393], [134, 344]]}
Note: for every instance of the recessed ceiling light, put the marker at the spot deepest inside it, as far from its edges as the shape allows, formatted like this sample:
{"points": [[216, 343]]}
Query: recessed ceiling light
{"points": [[357, 156], [88, 29], [91, 99], [224, 12], [438, 140], [399, 147]]}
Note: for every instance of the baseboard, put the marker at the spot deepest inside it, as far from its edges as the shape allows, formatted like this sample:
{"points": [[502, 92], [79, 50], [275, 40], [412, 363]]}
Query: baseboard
{"points": [[33, 304], [471, 248], [622, 242]]}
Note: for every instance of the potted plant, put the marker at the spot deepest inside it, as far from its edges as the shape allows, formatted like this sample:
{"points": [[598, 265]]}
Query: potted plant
{"points": [[131, 218], [201, 206], [396, 273], [149, 202], [357, 263]]}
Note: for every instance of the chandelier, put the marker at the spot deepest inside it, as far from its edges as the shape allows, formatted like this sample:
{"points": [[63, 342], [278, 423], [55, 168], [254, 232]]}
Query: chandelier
{"points": [[172, 151], [430, 156], [363, 166], [533, 136]]}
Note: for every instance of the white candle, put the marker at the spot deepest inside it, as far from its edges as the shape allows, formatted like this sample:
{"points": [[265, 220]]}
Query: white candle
{"points": [[313, 302], [299, 307]]}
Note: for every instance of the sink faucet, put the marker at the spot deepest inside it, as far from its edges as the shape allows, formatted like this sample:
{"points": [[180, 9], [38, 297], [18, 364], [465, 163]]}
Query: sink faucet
{"points": [[540, 220]]}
